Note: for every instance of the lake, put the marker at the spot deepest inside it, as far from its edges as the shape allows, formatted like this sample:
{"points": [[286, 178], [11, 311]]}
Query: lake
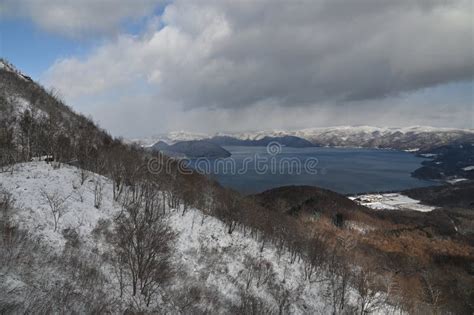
{"points": [[345, 170]]}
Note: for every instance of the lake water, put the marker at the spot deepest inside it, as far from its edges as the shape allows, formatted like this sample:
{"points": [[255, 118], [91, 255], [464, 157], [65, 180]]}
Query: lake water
{"points": [[344, 170]]}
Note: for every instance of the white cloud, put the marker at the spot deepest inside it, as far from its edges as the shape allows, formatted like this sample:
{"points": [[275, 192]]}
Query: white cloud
{"points": [[221, 58]]}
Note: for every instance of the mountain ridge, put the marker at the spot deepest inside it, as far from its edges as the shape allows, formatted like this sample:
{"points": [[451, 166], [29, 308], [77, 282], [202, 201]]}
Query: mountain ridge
{"points": [[191, 149], [404, 138]]}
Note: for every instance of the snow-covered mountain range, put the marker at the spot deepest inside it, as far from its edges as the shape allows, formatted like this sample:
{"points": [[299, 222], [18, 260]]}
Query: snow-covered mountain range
{"points": [[406, 138]]}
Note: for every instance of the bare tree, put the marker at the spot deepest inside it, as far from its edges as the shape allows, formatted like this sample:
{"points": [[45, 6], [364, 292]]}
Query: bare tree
{"points": [[6, 205], [339, 274], [144, 241], [251, 305], [27, 125], [229, 209], [84, 174], [432, 293], [98, 195], [57, 204], [315, 258], [8, 149], [285, 297], [6, 200], [258, 271], [370, 294], [78, 192]]}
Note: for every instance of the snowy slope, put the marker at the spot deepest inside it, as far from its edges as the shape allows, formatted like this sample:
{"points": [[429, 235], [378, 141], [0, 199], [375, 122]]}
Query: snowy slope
{"points": [[205, 248], [206, 254], [30, 181], [48, 263]]}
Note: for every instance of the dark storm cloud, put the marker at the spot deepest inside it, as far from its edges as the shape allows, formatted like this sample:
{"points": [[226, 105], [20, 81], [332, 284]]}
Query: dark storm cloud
{"points": [[306, 52]]}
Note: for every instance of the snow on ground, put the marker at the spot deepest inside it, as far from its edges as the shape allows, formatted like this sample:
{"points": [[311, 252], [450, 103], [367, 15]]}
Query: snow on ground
{"points": [[31, 182], [206, 254], [204, 249], [392, 201], [456, 180], [200, 235], [469, 168], [21, 105]]}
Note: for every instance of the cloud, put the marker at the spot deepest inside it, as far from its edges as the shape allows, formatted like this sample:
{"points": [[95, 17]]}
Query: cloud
{"points": [[78, 17], [137, 114], [238, 55]]}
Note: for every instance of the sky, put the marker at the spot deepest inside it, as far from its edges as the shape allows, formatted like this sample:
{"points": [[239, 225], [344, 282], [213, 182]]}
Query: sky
{"points": [[146, 67]]}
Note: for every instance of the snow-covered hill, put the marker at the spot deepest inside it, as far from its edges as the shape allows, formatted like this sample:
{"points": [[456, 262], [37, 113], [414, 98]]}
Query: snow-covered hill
{"points": [[32, 183], [217, 271]]}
